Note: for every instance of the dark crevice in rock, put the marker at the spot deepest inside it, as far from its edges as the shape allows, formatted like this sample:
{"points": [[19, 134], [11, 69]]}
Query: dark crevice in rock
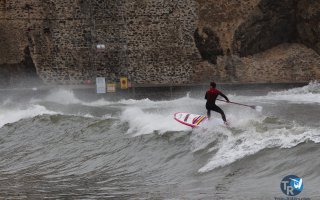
{"points": [[208, 45], [308, 23], [273, 23], [30, 68], [21, 74]]}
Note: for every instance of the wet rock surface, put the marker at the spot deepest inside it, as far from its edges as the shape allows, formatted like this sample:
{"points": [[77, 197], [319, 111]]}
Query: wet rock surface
{"points": [[272, 23], [159, 42]]}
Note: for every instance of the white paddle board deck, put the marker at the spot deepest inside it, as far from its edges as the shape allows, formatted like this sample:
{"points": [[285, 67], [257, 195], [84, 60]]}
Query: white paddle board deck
{"points": [[195, 120], [188, 119]]}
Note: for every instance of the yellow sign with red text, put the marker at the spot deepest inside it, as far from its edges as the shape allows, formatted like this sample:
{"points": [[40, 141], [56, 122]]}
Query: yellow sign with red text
{"points": [[124, 83]]}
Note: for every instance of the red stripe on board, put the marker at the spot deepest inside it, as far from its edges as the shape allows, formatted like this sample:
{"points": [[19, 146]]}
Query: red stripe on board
{"points": [[182, 122]]}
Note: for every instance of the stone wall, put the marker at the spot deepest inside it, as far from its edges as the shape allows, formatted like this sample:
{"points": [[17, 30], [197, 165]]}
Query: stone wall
{"points": [[160, 41], [16, 64], [161, 47], [149, 41]]}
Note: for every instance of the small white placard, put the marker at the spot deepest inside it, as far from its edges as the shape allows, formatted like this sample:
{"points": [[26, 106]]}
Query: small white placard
{"points": [[101, 85]]}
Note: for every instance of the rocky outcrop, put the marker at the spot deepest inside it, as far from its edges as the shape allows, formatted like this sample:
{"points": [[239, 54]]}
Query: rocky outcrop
{"points": [[266, 44], [208, 45], [283, 63], [280, 64], [270, 24], [223, 17], [160, 42], [308, 23]]}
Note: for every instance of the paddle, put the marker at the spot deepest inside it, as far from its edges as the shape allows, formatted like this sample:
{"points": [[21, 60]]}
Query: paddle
{"points": [[257, 108]]}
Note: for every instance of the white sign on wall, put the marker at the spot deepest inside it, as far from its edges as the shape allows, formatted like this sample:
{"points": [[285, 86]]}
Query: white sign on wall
{"points": [[101, 85]]}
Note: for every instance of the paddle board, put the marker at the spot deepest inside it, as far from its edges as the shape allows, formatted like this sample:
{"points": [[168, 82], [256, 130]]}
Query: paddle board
{"points": [[195, 120], [188, 119]]}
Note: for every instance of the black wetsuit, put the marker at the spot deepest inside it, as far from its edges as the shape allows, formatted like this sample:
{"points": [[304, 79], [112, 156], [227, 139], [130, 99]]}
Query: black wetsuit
{"points": [[211, 97]]}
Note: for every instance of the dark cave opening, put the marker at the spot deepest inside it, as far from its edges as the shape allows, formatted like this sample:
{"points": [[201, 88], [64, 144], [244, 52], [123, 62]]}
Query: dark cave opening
{"points": [[22, 74]]}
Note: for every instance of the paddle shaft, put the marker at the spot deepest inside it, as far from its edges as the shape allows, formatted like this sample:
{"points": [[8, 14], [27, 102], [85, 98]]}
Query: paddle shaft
{"points": [[253, 107]]}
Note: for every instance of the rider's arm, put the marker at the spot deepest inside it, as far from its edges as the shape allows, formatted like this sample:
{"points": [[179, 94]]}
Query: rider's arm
{"points": [[224, 96]]}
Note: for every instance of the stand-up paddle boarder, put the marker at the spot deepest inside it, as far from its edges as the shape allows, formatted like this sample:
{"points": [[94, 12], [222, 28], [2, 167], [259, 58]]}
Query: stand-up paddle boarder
{"points": [[211, 97]]}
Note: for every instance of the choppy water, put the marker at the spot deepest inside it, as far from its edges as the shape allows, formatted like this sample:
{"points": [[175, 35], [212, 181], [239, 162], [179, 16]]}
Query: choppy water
{"points": [[58, 146]]}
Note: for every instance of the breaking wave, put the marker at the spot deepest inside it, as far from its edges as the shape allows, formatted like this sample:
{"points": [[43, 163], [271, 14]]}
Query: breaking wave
{"points": [[137, 144], [307, 94]]}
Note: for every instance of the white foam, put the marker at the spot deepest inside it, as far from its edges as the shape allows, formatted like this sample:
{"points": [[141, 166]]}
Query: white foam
{"points": [[146, 116], [6, 102], [312, 87], [142, 122], [251, 141], [259, 108], [62, 96], [307, 94], [248, 134], [136, 102], [183, 102], [66, 97], [202, 137], [14, 115], [238, 118]]}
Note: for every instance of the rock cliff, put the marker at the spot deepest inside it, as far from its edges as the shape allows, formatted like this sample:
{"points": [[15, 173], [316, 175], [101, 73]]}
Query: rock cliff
{"points": [[263, 41], [160, 41]]}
